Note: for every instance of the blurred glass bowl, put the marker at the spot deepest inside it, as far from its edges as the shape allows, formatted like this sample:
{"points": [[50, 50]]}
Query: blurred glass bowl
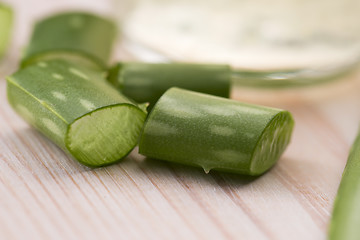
{"points": [[270, 43]]}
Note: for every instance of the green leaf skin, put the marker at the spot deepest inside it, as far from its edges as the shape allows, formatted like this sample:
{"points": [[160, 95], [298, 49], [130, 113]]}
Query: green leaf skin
{"points": [[78, 110], [79, 37], [146, 82], [6, 20], [215, 133], [345, 219]]}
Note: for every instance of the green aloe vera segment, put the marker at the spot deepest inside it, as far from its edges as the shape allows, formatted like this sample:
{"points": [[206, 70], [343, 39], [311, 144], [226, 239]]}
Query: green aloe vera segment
{"points": [[6, 19], [215, 133], [345, 220], [79, 37], [78, 110], [146, 82]]}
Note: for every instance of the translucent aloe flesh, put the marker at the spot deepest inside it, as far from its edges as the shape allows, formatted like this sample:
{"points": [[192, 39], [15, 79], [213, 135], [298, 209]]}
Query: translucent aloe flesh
{"points": [[345, 219], [215, 133], [6, 18], [146, 82], [77, 109], [79, 37]]}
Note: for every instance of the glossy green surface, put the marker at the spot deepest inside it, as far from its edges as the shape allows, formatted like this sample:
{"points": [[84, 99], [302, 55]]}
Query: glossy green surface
{"points": [[345, 222], [77, 109], [6, 18], [146, 82], [80, 37], [215, 133]]}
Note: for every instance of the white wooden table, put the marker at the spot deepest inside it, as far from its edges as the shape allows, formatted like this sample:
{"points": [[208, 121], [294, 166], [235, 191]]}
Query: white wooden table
{"points": [[46, 195]]}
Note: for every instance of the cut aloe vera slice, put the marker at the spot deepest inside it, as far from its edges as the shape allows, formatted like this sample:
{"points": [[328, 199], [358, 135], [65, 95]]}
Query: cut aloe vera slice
{"points": [[78, 110], [79, 37], [6, 18], [146, 82], [215, 133]]}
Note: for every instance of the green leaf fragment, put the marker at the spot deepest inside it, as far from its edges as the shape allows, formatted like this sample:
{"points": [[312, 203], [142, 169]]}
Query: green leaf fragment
{"points": [[6, 20], [78, 110], [79, 37], [215, 133]]}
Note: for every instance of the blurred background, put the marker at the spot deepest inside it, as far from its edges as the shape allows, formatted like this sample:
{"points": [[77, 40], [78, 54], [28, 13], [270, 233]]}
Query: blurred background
{"points": [[257, 34], [299, 41], [276, 34]]}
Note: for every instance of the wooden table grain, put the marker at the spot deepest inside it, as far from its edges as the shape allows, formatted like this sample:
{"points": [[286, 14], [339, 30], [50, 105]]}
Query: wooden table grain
{"points": [[44, 194]]}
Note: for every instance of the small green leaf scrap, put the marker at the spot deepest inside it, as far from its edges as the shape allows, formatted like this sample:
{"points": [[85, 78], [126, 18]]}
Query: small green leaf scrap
{"points": [[6, 20]]}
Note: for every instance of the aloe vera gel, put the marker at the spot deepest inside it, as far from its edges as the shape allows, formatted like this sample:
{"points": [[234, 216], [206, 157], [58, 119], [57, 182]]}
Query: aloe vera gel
{"points": [[215, 133], [77, 109]]}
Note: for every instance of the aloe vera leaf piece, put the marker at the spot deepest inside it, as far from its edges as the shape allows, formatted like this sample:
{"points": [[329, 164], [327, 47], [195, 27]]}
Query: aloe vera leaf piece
{"points": [[80, 37], [77, 110], [345, 219], [6, 20], [215, 133], [146, 82]]}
